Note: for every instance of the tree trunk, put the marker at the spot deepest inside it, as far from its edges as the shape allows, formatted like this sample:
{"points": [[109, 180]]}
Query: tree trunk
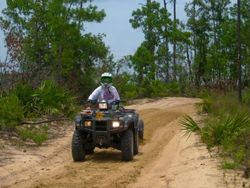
{"points": [[174, 44], [166, 43], [239, 52], [189, 64]]}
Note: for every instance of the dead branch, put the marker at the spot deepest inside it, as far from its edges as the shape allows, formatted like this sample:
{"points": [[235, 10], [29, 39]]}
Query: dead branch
{"points": [[45, 121]]}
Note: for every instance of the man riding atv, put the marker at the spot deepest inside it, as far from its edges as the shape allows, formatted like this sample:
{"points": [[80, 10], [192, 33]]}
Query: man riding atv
{"points": [[106, 124], [106, 91]]}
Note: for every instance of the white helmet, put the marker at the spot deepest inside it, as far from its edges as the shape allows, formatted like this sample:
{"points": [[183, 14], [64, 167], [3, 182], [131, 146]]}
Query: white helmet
{"points": [[106, 79]]}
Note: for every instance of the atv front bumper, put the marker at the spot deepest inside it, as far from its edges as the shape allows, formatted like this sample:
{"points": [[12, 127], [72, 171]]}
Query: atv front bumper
{"points": [[102, 131]]}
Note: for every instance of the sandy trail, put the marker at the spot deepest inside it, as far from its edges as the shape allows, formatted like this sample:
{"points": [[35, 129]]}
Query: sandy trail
{"points": [[166, 158]]}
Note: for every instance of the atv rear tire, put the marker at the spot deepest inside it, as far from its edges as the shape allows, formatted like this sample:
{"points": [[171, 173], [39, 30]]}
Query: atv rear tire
{"points": [[141, 129], [127, 146], [78, 153]]}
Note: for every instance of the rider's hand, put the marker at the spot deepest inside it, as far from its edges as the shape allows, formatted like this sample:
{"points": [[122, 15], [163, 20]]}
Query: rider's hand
{"points": [[86, 111]]}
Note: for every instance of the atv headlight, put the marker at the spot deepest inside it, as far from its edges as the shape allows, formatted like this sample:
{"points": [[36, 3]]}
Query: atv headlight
{"points": [[87, 123], [103, 106], [115, 124]]}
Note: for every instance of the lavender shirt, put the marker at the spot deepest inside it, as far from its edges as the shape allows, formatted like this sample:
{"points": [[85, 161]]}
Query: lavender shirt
{"points": [[105, 93]]}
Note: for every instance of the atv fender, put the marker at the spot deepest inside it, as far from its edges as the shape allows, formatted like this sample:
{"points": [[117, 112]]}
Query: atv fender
{"points": [[129, 123]]}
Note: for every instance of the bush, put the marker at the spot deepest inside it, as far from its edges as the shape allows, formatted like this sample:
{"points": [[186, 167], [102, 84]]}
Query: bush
{"points": [[226, 104], [246, 97], [173, 89], [228, 126], [205, 105], [222, 130], [11, 112], [37, 135], [26, 102], [48, 99], [25, 94], [158, 89], [237, 148], [130, 91], [189, 125]]}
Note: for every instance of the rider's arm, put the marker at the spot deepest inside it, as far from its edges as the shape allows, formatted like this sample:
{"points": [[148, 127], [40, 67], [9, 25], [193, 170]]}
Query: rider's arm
{"points": [[116, 94], [95, 94]]}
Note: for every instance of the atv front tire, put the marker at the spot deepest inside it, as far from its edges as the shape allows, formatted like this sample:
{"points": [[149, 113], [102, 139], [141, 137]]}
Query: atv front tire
{"points": [[78, 153], [127, 145]]}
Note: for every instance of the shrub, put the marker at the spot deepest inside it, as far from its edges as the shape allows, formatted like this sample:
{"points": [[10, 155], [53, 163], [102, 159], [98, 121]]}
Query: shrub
{"points": [[25, 102], [49, 99], [246, 97], [205, 105], [11, 111], [189, 125], [158, 89], [237, 148], [226, 104], [37, 135], [219, 130], [130, 95], [228, 126], [25, 94], [173, 89]]}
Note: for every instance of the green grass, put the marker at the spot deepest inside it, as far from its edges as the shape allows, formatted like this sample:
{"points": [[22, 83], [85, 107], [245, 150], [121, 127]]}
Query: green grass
{"points": [[246, 97], [205, 105], [11, 111], [219, 129], [229, 165], [37, 135], [227, 127]]}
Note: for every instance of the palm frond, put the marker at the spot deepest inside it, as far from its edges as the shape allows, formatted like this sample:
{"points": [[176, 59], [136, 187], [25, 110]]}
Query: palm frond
{"points": [[189, 125]]}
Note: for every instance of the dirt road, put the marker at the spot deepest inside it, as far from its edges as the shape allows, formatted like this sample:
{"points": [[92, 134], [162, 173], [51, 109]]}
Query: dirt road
{"points": [[166, 158]]}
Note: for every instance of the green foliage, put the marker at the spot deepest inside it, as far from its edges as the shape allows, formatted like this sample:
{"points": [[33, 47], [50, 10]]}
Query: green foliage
{"points": [[205, 105], [153, 58], [26, 102], [219, 131], [11, 111], [143, 63], [50, 99], [130, 91], [158, 89], [189, 125], [246, 97], [226, 104], [229, 165], [228, 127], [47, 39], [237, 148], [25, 94], [173, 89], [37, 135]]}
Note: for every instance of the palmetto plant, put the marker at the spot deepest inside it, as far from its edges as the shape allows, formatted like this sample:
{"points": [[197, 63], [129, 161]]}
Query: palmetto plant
{"points": [[232, 125], [225, 128], [189, 125]]}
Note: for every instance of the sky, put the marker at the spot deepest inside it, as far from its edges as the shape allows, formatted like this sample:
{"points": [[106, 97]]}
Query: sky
{"points": [[120, 36]]}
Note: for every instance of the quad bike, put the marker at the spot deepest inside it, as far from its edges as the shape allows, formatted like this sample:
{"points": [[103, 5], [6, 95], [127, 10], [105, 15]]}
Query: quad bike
{"points": [[107, 125]]}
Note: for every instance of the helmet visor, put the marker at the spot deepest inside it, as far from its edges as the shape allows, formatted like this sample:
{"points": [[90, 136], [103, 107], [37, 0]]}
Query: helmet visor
{"points": [[106, 80]]}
